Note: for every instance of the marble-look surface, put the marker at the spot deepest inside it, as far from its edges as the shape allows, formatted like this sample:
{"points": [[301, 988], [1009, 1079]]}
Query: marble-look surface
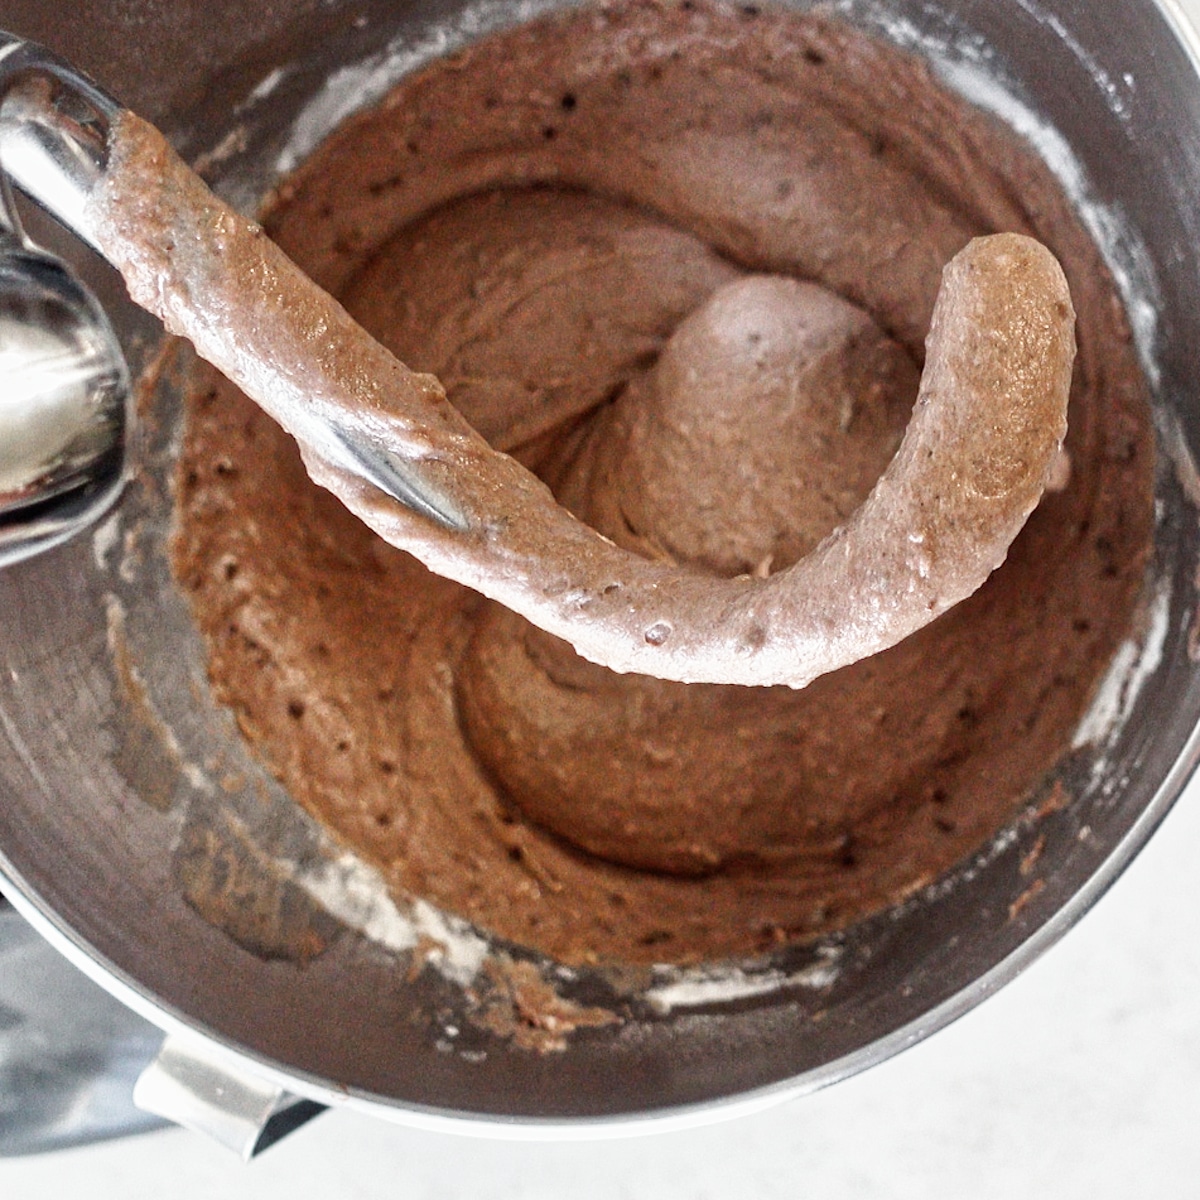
{"points": [[1080, 1079]]}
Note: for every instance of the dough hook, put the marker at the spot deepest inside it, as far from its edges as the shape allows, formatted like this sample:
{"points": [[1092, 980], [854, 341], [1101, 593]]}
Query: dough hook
{"points": [[65, 407], [66, 413], [970, 469]]}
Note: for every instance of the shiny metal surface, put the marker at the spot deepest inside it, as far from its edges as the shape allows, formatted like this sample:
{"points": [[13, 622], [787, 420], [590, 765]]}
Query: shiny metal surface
{"points": [[187, 1085], [65, 408], [53, 128], [63, 359], [111, 750]]}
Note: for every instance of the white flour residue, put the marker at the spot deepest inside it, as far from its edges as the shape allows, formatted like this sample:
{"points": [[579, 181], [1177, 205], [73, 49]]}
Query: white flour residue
{"points": [[104, 540], [357, 895], [1115, 94], [1174, 443], [969, 66], [230, 146], [263, 88], [135, 692], [356, 87], [460, 951], [721, 984], [1133, 663]]}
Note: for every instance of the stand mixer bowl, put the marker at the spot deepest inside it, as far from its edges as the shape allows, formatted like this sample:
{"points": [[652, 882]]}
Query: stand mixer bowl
{"points": [[108, 724]]}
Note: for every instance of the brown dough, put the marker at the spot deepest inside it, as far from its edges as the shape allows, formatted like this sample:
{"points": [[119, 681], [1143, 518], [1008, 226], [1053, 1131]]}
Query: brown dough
{"points": [[770, 414], [353, 669], [745, 422], [987, 428]]}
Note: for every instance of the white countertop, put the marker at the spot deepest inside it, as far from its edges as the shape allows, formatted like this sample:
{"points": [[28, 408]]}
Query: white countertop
{"points": [[1080, 1079]]}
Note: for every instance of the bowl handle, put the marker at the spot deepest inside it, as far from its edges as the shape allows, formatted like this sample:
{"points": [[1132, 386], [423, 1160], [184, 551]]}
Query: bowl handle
{"points": [[191, 1086]]}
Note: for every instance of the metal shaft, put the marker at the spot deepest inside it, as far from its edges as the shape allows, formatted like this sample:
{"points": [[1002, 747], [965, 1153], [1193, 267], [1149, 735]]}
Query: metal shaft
{"points": [[54, 125]]}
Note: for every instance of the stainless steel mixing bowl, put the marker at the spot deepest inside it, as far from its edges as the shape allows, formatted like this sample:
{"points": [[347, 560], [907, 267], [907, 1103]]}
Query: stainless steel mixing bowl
{"points": [[123, 785]]}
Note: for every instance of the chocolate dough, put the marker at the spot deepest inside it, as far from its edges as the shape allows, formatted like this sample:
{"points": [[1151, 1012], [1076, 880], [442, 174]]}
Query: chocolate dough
{"points": [[543, 221], [986, 430]]}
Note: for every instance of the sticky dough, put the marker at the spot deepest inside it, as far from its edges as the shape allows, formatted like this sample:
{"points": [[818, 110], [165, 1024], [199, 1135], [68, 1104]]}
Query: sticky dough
{"points": [[987, 427], [586, 228], [774, 398]]}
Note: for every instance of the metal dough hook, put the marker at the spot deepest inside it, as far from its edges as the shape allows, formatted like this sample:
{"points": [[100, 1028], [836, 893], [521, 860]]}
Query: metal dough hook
{"points": [[65, 428], [65, 395]]}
